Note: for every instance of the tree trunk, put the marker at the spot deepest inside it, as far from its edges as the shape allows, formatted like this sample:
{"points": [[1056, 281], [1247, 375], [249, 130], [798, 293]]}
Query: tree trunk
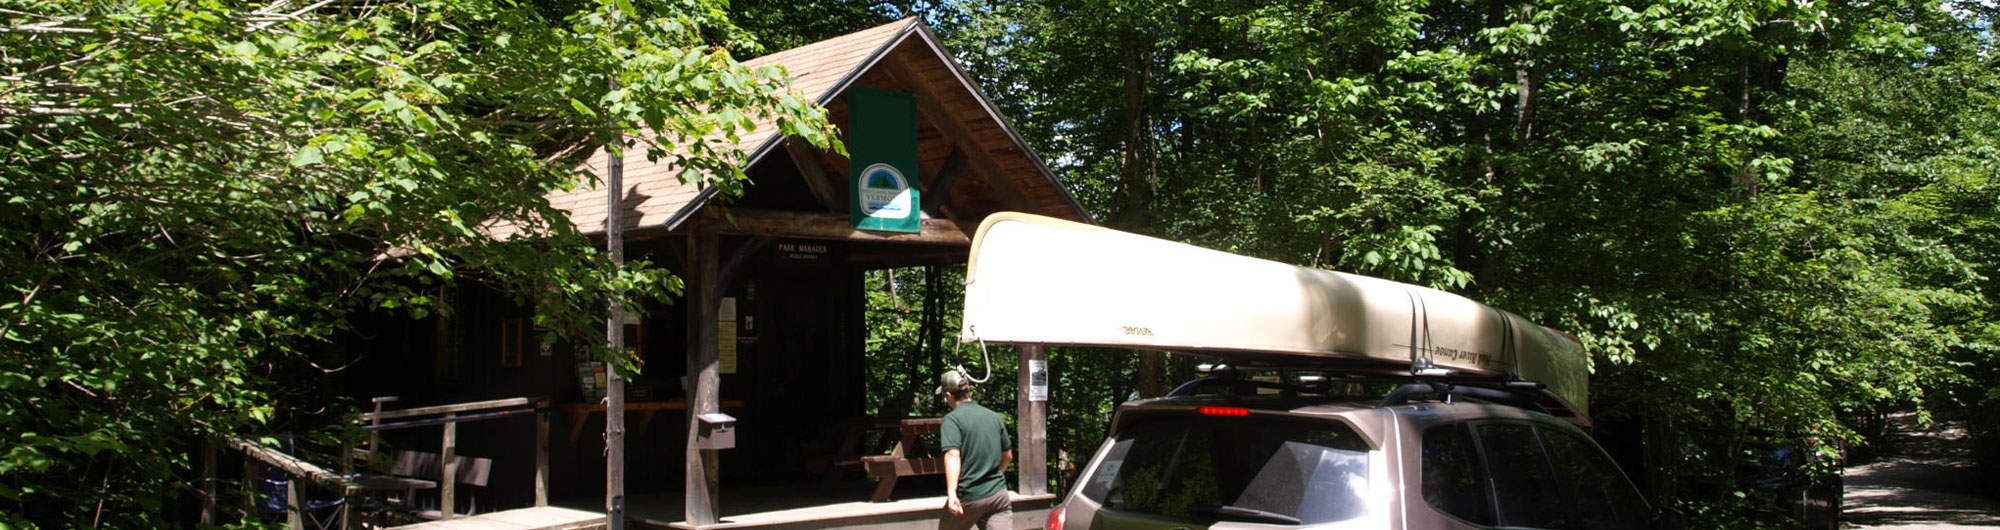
{"points": [[1663, 456], [1149, 374], [931, 327], [1755, 78], [1139, 189], [1746, 180], [1524, 106]]}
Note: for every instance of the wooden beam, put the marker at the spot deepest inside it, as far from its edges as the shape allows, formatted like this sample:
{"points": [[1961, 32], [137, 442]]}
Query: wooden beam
{"points": [[293, 466], [447, 409], [930, 105], [704, 373], [542, 455], [808, 160], [1033, 416], [249, 474], [954, 165], [295, 511], [875, 257], [888, 466], [448, 484], [208, 479], [802, 225]]}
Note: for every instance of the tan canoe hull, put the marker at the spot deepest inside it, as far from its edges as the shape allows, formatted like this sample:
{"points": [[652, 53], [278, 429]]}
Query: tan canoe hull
{"points": [[1040, 280]]}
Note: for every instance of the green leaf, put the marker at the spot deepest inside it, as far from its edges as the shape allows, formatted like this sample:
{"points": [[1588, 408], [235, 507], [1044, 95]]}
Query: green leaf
{"points": [[306, 156]]}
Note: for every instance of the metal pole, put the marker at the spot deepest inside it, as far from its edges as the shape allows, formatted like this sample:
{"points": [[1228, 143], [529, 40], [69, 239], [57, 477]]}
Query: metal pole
{"points": [[614, 332]]}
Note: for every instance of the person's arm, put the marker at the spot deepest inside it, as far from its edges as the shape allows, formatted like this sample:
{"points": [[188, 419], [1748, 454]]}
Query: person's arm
{"points": [[1006, 459], [950, 438], [951, 483]]}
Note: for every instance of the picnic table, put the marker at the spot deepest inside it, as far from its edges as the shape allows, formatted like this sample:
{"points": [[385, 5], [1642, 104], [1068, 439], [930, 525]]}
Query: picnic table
{"points": [[910, 457]]}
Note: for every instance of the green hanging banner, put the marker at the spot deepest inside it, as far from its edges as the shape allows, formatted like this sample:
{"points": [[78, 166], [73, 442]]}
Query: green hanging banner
{"points": [[882, 161]]}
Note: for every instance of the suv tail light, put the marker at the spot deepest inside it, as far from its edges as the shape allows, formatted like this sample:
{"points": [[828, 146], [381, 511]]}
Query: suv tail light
{"points": [[1223, 411], [1055, 518]]}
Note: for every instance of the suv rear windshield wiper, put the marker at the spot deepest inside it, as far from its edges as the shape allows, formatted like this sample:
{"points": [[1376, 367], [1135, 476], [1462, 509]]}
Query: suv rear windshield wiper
{"points": [[1247, 515]]}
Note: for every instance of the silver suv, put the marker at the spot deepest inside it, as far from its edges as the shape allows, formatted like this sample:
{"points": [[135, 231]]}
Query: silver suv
{"points": [[1292, 459]]}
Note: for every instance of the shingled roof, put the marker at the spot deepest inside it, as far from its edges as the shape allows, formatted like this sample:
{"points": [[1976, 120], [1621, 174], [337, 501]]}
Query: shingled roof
{"points": [[655, 198]]}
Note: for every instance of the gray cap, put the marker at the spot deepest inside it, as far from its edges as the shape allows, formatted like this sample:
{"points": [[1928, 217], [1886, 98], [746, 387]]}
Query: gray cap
{"points": [[953, 381]]}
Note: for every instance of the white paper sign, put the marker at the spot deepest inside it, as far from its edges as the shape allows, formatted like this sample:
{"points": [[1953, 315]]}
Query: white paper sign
{"points": [[1038, 380]]}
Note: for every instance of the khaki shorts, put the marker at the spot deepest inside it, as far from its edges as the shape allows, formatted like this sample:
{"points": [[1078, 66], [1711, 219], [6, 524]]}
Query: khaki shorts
{"points": [[995, 512]]}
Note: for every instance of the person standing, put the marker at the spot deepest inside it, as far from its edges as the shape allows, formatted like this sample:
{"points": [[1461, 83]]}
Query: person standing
{"points": [[977, 451]]}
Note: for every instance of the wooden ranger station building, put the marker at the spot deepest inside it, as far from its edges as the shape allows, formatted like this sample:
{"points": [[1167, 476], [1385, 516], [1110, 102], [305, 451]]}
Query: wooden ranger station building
{"points": [[770, 332]]}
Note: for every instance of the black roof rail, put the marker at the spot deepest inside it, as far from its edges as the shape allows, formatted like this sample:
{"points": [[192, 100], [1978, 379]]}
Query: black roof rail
{"points": [[1511, 391], [1517, 394]]}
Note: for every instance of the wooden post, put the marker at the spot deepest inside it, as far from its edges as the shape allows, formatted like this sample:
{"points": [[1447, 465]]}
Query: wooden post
{"points": [[250, 484], [208, 482], [350, 513], [375, 435], [614, 333], [542, 455], [704, 378], [448, 484], [1032, 433], [295, 510], [350, 497]]}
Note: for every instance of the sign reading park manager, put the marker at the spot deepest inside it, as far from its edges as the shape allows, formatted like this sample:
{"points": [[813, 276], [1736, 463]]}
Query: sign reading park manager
{"points": [[882, 167]]}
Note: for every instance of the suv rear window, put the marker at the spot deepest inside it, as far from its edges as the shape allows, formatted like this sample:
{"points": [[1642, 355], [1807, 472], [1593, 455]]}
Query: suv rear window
{"points": [[1234, 468]]}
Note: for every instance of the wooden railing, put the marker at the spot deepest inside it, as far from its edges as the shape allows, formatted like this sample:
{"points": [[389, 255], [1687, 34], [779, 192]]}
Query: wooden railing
{"points": [[295, 507], [450, 416], [354, 488]]}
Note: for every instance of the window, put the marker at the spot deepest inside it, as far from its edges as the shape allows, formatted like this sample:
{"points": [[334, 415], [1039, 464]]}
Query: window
{"points": [[1520, 475], [1239, 469], [1454, 481], [1604, 498], [1524, 487]]}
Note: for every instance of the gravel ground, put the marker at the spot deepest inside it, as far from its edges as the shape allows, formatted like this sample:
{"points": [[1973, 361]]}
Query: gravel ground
{"points": [[1926, 483]]}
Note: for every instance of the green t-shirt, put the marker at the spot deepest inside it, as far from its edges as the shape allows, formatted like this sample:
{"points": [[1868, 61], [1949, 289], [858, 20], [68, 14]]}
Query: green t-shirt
{"points": [[980, 436]]}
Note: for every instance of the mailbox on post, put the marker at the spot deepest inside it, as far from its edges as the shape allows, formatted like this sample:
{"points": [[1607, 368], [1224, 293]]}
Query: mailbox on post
{"points": [[718, 431]]}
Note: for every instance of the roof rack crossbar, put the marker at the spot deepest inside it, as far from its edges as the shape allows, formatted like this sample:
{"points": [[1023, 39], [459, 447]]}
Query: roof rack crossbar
{"points": [[1224, 375], [1514, 398]]}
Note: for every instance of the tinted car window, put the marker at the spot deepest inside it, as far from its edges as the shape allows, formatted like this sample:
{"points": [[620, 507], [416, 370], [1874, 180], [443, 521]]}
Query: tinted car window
{"points": [[1604, 499], [1524, 487], [1540, 477], [1454, 482], [1236, 468]]}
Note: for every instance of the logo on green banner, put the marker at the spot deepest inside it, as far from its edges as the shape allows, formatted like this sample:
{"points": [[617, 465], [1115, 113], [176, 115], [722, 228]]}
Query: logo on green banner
{"points": [[885, 193], [882, 149]]}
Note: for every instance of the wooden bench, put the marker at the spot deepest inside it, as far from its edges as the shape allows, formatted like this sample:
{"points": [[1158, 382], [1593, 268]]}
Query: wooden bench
{"points": [[911, 457], [425, 471]]}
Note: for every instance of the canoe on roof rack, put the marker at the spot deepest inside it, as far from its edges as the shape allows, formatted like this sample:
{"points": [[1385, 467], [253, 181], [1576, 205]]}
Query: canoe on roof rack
{"points": [[1039, 280]]}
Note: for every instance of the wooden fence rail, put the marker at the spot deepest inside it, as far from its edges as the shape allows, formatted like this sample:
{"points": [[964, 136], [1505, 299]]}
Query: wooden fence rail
{"points": [[352, 489], [453, 414], [295, 514]]}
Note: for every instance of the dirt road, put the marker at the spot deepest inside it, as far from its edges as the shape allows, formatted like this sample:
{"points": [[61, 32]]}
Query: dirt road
{"points": [[1926, 482]]}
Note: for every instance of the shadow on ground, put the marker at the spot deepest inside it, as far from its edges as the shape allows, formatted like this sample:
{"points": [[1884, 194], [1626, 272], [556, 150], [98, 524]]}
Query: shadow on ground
{"points": [[1927, 483]]}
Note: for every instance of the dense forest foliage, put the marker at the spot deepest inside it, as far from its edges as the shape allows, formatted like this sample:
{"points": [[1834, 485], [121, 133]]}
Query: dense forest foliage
{"points": [[199, 195], [1762, 217]]}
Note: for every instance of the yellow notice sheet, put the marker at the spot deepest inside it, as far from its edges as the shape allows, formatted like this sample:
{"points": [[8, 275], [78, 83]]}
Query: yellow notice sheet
{"points": [[725, 341]]}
